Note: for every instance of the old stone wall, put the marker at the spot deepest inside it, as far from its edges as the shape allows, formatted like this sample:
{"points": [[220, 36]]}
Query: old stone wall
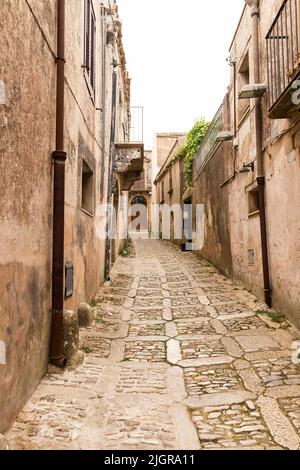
{"points": [[27, 140], [27, 126], [168, 188], [85, 147], [232, 240], [217, 246]]}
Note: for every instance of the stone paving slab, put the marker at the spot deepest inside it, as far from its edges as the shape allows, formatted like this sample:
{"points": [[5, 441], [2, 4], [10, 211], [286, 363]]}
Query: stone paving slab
{"points": [[177, 359]]}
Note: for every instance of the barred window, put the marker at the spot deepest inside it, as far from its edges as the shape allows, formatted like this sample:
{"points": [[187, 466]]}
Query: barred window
{"points": [[90, 46]]}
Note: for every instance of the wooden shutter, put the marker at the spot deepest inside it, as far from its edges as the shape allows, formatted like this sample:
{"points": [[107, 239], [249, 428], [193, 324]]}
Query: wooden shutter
{"points": [[93, 50], [87, 34]]}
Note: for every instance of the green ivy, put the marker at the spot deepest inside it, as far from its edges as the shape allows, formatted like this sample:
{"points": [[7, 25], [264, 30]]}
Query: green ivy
{"points": [[191, 147]]}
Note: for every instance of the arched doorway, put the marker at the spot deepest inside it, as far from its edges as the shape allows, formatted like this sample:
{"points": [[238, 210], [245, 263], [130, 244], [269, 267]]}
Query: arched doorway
{"points": [[115, 224], [138, 220]]}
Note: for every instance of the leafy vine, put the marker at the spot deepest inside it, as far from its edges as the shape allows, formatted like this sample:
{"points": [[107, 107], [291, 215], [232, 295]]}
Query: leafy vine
{"points": [[188, 151]]}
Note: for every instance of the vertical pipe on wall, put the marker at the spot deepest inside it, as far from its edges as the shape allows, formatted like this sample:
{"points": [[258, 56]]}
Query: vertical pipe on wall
{"points": [[111, 177], [59, 157], [234, 98], [259, 153], [235, 150], [104, 32]]}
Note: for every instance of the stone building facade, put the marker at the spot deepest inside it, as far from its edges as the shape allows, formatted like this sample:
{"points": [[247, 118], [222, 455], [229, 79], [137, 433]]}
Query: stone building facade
{"points": [[248, 176], [141, 192], [169, 182], [96, 138]]}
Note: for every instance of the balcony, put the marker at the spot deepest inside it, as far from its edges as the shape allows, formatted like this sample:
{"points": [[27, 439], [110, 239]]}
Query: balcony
{"points": [[209, 143], [129, 154], [283, 58], [137, 124]]}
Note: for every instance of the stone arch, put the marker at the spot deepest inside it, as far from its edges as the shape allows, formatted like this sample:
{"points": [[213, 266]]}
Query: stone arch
{"points": [[116, 206], [142, 201]]}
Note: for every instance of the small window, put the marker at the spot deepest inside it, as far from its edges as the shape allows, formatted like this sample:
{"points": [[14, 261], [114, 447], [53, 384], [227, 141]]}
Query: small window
{"points": [[87, 189], [253, 202], [90, 47], [243, 79]]}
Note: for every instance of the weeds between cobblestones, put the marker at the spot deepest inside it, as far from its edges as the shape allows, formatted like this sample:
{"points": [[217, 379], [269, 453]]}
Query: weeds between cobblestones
{"points": [[177, 358]]}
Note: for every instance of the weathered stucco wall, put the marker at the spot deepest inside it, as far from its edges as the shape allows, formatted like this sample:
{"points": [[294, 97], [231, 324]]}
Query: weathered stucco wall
{"points": [[143, 188], [27, 68], [168, 187], [27, 140], [230, 228], [84, 144], [217, 247]]}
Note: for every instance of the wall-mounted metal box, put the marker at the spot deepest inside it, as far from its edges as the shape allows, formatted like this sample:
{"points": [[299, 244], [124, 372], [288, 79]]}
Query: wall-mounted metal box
{"points": [[69, 280]]}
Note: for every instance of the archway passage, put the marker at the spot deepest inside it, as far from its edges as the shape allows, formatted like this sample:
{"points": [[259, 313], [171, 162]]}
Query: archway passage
{"points": [[139, 200], [139, 215], [115, 242]]}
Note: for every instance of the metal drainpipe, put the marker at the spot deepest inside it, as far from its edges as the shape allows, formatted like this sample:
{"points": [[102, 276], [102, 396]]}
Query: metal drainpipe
{"points": [[59, 156], [259, 153], [234, 99], [111, 177], [235, 150], [103, 169]]}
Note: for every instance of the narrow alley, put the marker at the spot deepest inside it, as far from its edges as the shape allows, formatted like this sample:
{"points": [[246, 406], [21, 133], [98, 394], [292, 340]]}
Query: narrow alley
{"points": [[177, 358]]}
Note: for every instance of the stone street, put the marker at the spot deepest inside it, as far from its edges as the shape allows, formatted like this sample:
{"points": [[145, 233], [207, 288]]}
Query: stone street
{"points": [[177, 358]]}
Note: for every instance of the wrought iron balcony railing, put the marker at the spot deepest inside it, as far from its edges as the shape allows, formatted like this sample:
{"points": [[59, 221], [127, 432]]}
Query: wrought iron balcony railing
{"points": [[283, 56], [209, 142], [137, 124]]}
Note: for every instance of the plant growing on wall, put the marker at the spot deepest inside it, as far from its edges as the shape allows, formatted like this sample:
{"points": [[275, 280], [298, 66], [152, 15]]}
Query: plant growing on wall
{"points": [[188, 151]]}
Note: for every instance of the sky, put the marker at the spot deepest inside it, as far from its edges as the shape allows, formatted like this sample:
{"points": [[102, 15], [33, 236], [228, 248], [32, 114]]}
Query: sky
{"points": [[176, 56]]}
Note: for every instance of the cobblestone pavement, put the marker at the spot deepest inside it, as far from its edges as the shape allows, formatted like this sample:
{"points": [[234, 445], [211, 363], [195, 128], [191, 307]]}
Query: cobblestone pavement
{"points": [[177, 358]]}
